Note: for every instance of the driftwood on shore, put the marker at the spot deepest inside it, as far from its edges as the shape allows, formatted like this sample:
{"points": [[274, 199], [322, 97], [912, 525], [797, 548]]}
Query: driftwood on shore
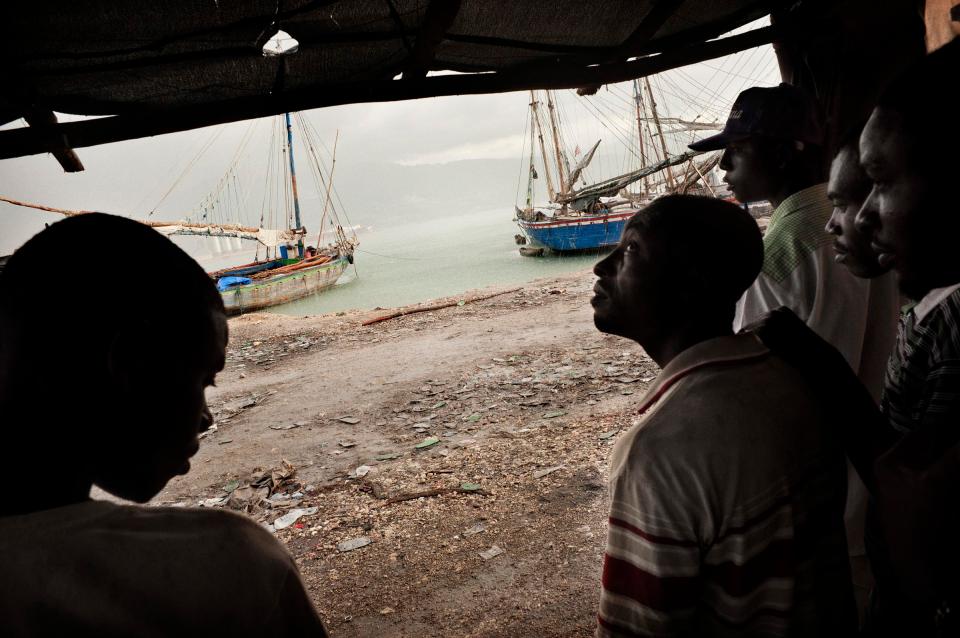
{"points": [[439, 306]]}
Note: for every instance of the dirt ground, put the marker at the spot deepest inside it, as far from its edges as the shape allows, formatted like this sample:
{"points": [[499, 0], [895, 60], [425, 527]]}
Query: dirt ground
{"points": [[495, 524]]}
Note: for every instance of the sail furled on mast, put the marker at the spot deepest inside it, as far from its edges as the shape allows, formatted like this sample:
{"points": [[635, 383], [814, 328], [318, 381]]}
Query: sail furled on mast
{"points": [[581, 199]]}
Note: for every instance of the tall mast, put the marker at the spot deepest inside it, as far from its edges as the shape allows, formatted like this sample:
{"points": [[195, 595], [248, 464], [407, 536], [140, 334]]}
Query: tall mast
{"points": [[656, 120], [564, 187], [638, 99], [293, 176], [326, 201], [543, 148], [532, 170]]}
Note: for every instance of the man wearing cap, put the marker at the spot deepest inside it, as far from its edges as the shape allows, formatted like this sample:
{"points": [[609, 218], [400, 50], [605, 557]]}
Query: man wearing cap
{"points": [[772, 145]]}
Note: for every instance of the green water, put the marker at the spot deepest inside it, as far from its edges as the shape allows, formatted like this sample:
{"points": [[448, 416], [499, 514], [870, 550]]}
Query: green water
{"points": [[425, 259]]}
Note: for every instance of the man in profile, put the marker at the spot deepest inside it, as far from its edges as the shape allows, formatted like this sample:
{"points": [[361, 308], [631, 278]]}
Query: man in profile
{"points": [[727, 496], [105, 353], [773, 151]]}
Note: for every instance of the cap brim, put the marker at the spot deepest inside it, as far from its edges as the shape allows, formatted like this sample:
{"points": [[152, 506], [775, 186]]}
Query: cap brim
{"points": [[715, 142]]}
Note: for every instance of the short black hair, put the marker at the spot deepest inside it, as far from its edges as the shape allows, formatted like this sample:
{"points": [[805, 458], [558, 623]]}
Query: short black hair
{"points": [[67, 291], [718, 244]]}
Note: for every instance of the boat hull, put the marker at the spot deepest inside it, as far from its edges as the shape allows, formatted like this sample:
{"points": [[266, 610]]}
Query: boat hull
{"points": [[581, 233], [281, 289]]}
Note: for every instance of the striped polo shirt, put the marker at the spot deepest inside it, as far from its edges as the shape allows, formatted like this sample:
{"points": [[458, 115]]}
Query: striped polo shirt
{"points": [[922, 386], [727, 501]]}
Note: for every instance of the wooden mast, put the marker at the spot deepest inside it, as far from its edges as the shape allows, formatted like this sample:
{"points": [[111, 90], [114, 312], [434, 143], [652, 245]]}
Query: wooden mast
{"points": [[293, 180], [543, 148], [564, 187], [532, 171], [638, 99], [326, 201], [663, 142]]}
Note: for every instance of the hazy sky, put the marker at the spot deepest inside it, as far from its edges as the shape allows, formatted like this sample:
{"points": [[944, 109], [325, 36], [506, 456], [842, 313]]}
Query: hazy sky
{"points": [[131, 177]]}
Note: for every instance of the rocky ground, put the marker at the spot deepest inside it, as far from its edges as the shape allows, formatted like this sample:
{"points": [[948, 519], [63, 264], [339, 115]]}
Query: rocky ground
{"points": [[437, 474]]}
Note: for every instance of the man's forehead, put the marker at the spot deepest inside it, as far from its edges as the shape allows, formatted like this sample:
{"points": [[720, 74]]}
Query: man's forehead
{"points": [[843, 173]]}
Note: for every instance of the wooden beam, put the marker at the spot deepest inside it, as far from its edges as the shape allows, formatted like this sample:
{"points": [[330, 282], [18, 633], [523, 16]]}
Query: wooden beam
{"points": [[438, 17], [561, 75], [45, 124]]}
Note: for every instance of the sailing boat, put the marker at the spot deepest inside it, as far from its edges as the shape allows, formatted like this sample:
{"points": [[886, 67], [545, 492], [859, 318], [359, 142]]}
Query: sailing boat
{"points": [[289, 270], [295, 271], [593, 217]]}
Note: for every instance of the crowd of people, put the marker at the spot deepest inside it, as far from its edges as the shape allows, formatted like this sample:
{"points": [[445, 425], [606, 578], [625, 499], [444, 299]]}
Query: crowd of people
{"points": [[790, 473]]}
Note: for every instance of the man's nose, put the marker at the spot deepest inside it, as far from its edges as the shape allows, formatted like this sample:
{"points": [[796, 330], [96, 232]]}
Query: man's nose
{"points": [[867, 219]]}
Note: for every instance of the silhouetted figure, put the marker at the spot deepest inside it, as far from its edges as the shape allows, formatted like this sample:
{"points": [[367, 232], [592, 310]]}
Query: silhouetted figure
{"points": [[772, 145], [105, 353], [848, 188], [727, 496]]}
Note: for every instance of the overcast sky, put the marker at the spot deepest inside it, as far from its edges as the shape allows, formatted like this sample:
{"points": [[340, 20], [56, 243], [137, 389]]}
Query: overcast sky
{"points": [[130, 177]]}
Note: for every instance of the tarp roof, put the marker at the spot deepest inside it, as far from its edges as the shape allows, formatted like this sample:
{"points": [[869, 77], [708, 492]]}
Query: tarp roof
{"points": [[158, 67]]}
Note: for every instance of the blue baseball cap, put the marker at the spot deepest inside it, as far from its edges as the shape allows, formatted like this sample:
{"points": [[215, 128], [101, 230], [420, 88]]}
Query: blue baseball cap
{"points": [[784, 112]]}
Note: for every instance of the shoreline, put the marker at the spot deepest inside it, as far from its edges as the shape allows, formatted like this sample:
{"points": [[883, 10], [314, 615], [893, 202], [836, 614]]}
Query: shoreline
{"points": [[524, 399]]}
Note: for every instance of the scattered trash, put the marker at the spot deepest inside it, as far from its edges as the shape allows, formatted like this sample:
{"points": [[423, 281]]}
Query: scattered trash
{"points": [[387, 457], [362, 471], [554, 414], [232, 485], [292, 517], [387, 610], [430, 441], [353, 543], [476, 529], [351, 420], [549, 470], [493, 552], [216, 501], [473, 417], [438, 405], [289, 426], [608, 435], [627, 379], [347, 444], [469, 487], [224, 441]]}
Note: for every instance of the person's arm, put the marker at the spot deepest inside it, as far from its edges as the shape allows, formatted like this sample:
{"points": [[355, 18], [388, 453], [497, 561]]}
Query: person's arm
{"points": [[916, 491], [651, 565], [864, 431]]}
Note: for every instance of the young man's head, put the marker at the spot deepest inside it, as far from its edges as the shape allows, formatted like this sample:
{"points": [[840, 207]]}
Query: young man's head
{"points": [[109, 334], [908, 150], [771, 144], [847, 189], [680, 267]]}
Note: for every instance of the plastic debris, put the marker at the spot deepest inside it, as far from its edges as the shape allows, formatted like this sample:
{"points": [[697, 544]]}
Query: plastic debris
{"points": [[387, 457], [353, 543], [493, 552], [554, 414], [346, 443], [608, 435], [549, 470], [430, 441], [293, 516], [351, 420], [476, 529], [469, 487], [361, 471], [473, 417], [387, 610], [232, 485], [288, 426]]}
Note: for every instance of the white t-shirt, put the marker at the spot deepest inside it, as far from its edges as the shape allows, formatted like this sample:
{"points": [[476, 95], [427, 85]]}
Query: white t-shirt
{"points": [[100, 569]]}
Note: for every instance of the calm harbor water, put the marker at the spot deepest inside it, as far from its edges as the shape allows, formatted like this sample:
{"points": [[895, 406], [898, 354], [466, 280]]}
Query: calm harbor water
{"points": [[404, 263]]}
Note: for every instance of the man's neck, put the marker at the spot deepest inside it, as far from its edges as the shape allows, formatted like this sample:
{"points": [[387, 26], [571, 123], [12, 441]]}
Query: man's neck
{"points": [[667, 349]]}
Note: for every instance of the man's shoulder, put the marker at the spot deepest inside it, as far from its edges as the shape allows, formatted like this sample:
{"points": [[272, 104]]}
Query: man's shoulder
{"points": [[797, 231]]}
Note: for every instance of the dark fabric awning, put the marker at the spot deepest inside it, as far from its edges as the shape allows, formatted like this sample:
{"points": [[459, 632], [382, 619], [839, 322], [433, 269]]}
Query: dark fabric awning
{"points": [[157, 67]]}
